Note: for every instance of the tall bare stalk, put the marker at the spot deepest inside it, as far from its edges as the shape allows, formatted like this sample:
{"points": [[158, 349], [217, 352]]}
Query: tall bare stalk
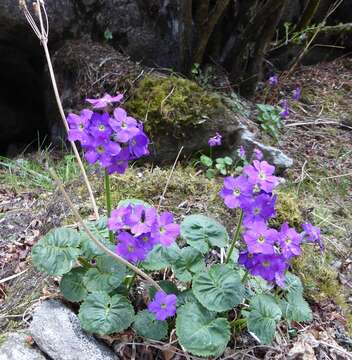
{"points": [[42, 33]]}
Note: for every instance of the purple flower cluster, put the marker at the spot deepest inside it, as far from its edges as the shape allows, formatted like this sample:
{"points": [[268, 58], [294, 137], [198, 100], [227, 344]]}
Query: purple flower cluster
{"points": [[268, 251], [139, 228], [108, 136]]}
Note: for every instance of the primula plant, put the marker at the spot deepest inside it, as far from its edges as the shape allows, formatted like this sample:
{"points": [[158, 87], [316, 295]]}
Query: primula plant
{"points": [[246, 282]]}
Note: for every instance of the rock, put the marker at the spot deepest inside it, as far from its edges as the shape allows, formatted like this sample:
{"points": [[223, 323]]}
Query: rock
{"points": [[271, 154], [16, 347], [57, 331]]}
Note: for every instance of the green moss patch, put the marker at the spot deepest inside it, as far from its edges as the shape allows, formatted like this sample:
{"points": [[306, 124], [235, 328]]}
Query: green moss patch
{"points": [[171, 104]]}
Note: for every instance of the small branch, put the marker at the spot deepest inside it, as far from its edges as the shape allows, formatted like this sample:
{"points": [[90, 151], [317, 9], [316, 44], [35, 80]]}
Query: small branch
{"points": [[80, 221], [42, 34], [169, 178], [2, 281], [319, 123]]}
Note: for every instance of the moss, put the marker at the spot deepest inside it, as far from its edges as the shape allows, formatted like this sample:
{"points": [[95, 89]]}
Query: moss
{"points": [[287, 209], [170, 104]]}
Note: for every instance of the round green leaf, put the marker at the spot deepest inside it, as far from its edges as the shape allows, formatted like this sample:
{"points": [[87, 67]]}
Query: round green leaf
{"points": [[200, 332], [190, 262], [161, 257], [132, 202], [147, 326], [185, 297], [263, 315], [71, 285], [57, 251], [202, 232], [107, 275], [104, 314], [293, 284], [218, 289], [206, 161]]}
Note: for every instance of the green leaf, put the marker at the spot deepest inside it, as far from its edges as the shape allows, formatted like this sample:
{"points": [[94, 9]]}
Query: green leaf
{"points": [[263, 316], [190, 262], [200, 332], [57, 251], [168, 286], [293, 284], [71, 285], [218, 289], [147, 326], [228, 160], [107, 275], [210, 173], [100, 230], [202, 232], [132, 202], [296, 308], [102, 314], [161, 257], [185, 297], [206, 161], [220, 161]]}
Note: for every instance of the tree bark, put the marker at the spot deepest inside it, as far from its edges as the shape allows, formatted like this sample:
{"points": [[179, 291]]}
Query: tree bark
{"points": [[308, 15], [185, 23]]}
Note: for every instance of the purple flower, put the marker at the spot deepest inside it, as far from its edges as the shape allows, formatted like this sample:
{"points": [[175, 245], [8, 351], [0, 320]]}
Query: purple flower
{"points": [[215, 140], [273, 80], [146, 218], [261, 208], [117, 219], [297, 93], [99, 127], [312, 234], [242, 152], [146, 241], [289, 241], [246, 259], [285, 109], [258, 154], [166, 231], [260, 173], [106, 100], [138, 145], [119, 163], [163, 306], [269, 267], [236, 191], [125, 126], [129, 248], [260, 239], [78, 125], [101, 151]]}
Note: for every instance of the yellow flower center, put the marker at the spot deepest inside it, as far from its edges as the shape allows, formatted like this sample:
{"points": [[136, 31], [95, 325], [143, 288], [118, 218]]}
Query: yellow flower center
{"points": [[288, 241], [256, 211], [261, 175], [130, 248], [261, 239], [237, 192], [266, 263], [100, 149], [101, 128]]}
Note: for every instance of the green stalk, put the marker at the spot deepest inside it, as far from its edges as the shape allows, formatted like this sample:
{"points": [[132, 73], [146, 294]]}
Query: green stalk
{"points": [[108, 201], [131, 281], [84, 262], [235, 238]]}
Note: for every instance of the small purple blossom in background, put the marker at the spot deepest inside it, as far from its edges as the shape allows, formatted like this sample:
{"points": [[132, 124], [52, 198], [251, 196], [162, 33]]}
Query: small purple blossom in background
{"points": [[242, 152], [166, 231], [215, 140], [312, 234], [106, 100], [163, 306], [261, 174], [258, 154], [236, 191], [78, 125], [285, 109], [297, 93], [273, 80], [290, 241], [125, 126]]}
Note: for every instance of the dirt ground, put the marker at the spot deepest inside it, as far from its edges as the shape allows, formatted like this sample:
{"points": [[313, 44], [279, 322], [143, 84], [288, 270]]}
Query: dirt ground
{"points": [[317, 135]]}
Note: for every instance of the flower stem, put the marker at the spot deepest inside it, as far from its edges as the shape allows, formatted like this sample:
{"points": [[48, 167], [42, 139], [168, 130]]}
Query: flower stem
{"points": [[235, 238], [131, 281], [84, 262], [108, 201]]}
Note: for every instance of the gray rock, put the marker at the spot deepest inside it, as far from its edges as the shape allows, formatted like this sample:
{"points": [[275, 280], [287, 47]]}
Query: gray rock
{"points": [[57, 331], [271, 154], [15, 347]]}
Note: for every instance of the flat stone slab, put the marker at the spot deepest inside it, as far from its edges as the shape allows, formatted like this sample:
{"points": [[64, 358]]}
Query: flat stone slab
{"points": [[16, 347], [57, 331]]}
